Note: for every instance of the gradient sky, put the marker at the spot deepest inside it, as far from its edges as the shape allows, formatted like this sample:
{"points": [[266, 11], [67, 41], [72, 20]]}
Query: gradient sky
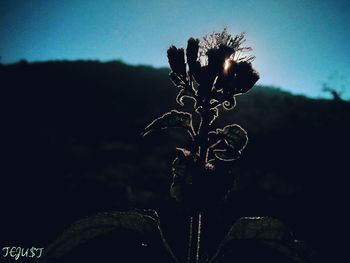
{"points": [[298, 44]]}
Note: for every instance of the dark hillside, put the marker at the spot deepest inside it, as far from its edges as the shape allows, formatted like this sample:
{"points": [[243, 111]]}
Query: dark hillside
{"points": [[72, 147]]}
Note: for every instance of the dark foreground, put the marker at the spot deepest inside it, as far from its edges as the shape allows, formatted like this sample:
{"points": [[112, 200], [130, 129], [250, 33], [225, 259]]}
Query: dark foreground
{"points": [[72, 148]]}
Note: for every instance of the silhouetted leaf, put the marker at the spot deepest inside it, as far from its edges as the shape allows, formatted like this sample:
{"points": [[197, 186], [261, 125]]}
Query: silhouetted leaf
{"points": [[252, 239], [232, 139], [182, 166], [177, 80], [227, 155], [172, 119], [214, 137], [213, 115], [258, 228], [142, 232], [184, 152], [229, 103], [235, 136], [184, 93]]}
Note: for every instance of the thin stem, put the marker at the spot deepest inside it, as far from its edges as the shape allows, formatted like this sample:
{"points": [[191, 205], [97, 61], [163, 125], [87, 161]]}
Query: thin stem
{"points": [[203, 134], [203, 149], [193, 239], [194, 248], [199, 236], [191, 133], [190, 238]]}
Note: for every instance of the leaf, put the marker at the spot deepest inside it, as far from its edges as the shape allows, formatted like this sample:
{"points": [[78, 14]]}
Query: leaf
{"points": [[133, 231], [172, 119], [229, 103], [177, 81], [184, 93], [181, 186], [235, 136], [228, 143], [226, 154], [258, 228], [252, 238], [213, 138], [214, 114], [184, 152]]}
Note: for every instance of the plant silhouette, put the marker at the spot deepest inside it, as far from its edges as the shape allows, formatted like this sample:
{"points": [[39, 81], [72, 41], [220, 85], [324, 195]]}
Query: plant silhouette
{"points": [[214, 71], [211, 72]]}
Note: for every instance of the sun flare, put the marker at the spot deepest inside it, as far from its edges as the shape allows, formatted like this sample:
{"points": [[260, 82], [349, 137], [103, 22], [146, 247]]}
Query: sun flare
{"points": [[227, 65]]}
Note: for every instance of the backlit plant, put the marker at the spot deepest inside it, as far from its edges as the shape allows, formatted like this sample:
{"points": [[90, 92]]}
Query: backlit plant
{"points": [[211, 72]]}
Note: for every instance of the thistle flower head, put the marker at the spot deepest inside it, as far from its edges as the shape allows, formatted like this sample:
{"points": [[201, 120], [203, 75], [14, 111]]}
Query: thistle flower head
{"points": [[222, 46], [223, 61], [226, 58], [217, 63]]}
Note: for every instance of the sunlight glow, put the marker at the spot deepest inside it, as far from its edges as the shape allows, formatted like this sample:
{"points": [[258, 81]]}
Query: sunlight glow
{"points": [[227, 65]]}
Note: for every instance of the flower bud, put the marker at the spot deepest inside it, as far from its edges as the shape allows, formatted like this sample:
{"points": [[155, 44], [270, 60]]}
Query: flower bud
{"points": [[176, 57]]}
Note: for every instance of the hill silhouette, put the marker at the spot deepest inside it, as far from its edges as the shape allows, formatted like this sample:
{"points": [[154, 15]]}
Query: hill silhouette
{"points": [[72, 147]]}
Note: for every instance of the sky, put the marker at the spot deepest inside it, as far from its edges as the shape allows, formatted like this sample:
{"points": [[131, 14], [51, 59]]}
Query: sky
{"points": [[299, 44]]}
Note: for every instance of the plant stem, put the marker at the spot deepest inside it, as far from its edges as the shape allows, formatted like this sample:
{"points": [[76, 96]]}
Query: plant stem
{"points": [[193, 255], [199, 236], [194, 249], [190, 240]]}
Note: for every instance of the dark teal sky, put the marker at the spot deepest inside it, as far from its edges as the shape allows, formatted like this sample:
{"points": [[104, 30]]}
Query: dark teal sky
{"points": [[298, 44]]}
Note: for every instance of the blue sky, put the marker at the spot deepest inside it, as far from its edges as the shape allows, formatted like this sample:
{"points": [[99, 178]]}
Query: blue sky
{"points": [[298, 44]]}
